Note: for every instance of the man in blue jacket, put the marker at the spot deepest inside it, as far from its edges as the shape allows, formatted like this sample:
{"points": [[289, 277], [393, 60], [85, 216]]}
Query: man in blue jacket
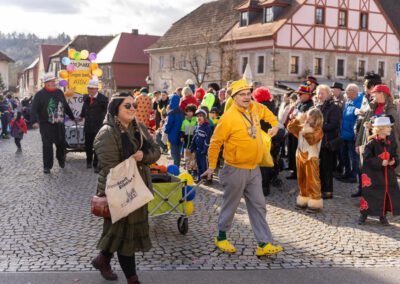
{"points": [[349, 118], [173, 128]]}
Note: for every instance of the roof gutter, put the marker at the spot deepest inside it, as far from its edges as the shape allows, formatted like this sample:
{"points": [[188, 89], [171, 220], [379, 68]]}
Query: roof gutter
{"points": [[179, 46]]}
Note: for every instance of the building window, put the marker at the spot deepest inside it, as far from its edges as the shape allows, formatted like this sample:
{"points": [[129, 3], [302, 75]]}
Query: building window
{"points": [[268, 15], [209, 60], [244, 19], [294, 64], [260, 64], [343, 19], [318, 66], [381, 68], [173, 62], [183, 62], [363, 21], [362, 64], [245, 60], [340, 65], [161, 62], [319, 16]]}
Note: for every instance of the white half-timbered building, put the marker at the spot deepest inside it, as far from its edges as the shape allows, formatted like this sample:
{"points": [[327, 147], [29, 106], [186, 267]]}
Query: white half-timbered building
{"points": [[283, 41]]}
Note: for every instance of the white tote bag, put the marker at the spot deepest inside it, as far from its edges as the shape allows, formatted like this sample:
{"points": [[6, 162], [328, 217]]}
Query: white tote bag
{"points": [[126, 190]]}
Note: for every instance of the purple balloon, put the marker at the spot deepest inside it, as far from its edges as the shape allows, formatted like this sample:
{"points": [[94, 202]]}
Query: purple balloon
{"points": [[63, 83], [70, 67], [92, 56]]}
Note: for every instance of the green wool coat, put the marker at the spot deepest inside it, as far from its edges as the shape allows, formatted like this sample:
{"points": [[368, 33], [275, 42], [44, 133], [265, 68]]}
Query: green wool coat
{"points": [[130, 234]]}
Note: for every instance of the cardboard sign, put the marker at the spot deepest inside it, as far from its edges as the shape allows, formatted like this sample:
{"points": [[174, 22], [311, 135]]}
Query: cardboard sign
{"points": [[78, 81], [75, 103]]}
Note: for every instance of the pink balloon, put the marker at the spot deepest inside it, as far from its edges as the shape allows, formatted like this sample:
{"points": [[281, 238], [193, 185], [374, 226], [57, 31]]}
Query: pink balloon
{"points": [[70, 67], [92, 56], [63, 83]]}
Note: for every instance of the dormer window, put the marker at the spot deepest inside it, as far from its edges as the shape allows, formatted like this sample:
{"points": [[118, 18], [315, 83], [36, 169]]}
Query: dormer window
{"points": [[244, 19], [268, 15]]}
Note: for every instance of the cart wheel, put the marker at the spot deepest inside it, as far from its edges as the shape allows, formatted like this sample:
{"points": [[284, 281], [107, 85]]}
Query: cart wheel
{"points": [[183, 225]]}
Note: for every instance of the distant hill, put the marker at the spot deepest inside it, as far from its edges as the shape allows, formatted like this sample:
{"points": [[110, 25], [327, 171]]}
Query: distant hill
{"points": [[24, 49]]}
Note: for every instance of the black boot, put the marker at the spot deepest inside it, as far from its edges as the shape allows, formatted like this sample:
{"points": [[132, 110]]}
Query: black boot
{"points": [[102, 263], [363, 217], [266, 190], [384, 220]]}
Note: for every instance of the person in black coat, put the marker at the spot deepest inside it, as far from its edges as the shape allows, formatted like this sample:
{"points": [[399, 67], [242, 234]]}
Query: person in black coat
{"points": [[269, 175], [380, 191], [94, 110], [49, 107], [332, 117]]}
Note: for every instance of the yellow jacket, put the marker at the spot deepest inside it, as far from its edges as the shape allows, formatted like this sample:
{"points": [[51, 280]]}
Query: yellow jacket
{"points": [[240, 149]]}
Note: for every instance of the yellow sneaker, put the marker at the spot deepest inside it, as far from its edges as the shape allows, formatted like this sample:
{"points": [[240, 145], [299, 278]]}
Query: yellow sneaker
{"points": [[268, 249], [225, 246]]}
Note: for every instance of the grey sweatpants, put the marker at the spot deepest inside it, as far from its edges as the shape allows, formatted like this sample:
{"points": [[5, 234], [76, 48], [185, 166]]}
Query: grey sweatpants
{"points": [[238, 183]]}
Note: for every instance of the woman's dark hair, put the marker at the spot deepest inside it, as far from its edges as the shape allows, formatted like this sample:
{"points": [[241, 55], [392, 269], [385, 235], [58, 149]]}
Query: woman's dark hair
{"points": [[214, 86], [372, 79], [191, 108], [116, 101]]}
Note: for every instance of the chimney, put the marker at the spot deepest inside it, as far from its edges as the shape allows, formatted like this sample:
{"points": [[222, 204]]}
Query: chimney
{"points": [[135, 31]]}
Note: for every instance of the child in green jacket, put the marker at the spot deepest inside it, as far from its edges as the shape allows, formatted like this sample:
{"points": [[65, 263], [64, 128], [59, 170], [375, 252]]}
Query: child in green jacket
{"points": [[187, 130]]}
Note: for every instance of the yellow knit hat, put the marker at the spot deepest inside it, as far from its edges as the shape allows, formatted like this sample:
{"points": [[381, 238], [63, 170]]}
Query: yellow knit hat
{"points": [[239, 85]]}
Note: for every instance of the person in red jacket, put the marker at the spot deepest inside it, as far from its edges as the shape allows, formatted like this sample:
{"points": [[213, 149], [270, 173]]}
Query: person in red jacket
{"points": [[187, 99], [199, 94], [18, 129]]}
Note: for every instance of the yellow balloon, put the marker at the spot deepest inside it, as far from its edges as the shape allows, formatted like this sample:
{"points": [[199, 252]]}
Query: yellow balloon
{"points": [[71, 53], [98, 72], [84, 54], [188, 177], [189, 208], [63, 74]]}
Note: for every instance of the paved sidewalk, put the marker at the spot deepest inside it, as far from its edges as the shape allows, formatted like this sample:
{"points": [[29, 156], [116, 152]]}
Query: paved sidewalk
{"points": [[46, 225], [280, 276]]}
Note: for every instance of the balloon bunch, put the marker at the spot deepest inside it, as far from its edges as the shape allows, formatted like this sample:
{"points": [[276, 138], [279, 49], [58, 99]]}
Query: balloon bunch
{"points": [[70, 67]]}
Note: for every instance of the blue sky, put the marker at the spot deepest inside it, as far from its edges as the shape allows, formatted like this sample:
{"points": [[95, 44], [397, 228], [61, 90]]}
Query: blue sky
{"points": [[99, 17]]}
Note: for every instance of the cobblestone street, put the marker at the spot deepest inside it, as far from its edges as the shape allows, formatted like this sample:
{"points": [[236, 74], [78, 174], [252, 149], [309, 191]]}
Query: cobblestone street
{"points": [[46, 225]]}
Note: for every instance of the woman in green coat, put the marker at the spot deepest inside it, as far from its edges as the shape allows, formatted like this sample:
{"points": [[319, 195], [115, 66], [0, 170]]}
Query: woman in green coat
{"points": [[120, 138]]}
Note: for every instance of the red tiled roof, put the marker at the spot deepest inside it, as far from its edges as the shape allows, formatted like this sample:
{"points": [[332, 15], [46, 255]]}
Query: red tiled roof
{"points": [[130, 75], [4, 57], [130, 48], [47, 50], [258, 29]]}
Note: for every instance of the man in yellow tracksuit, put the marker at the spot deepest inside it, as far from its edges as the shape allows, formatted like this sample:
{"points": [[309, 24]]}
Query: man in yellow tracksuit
{"points": [[240, 132]]}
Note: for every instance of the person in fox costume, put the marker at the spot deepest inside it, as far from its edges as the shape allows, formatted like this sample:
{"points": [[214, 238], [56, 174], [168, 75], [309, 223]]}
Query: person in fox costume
{"points": [[380, 191]]}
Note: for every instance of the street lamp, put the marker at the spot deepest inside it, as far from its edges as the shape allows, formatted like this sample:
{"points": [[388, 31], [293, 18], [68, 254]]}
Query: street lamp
{"points": [[148, 82]]}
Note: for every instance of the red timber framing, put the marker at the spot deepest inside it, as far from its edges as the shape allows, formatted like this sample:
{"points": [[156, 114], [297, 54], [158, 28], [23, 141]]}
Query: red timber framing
{"points": [[309, 36]]}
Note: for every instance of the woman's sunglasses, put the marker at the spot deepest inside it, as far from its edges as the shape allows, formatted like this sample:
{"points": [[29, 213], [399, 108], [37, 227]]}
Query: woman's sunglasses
{"points": [[129, 106]]}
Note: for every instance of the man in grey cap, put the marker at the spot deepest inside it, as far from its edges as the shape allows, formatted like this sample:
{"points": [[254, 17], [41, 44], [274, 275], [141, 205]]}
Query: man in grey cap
{"points": [[94, 110], [49, 107]]}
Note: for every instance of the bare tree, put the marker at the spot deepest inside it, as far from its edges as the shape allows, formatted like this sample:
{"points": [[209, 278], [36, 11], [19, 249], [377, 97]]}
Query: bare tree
{"points": [[229, 70], [197, 60]]}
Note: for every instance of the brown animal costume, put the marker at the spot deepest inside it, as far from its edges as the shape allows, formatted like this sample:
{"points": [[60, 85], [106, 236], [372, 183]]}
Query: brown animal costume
{"points": [[307, 163]]}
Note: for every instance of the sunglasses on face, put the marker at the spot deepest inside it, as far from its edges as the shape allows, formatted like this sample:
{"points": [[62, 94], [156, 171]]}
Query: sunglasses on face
{"points": [[129, 106]]}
